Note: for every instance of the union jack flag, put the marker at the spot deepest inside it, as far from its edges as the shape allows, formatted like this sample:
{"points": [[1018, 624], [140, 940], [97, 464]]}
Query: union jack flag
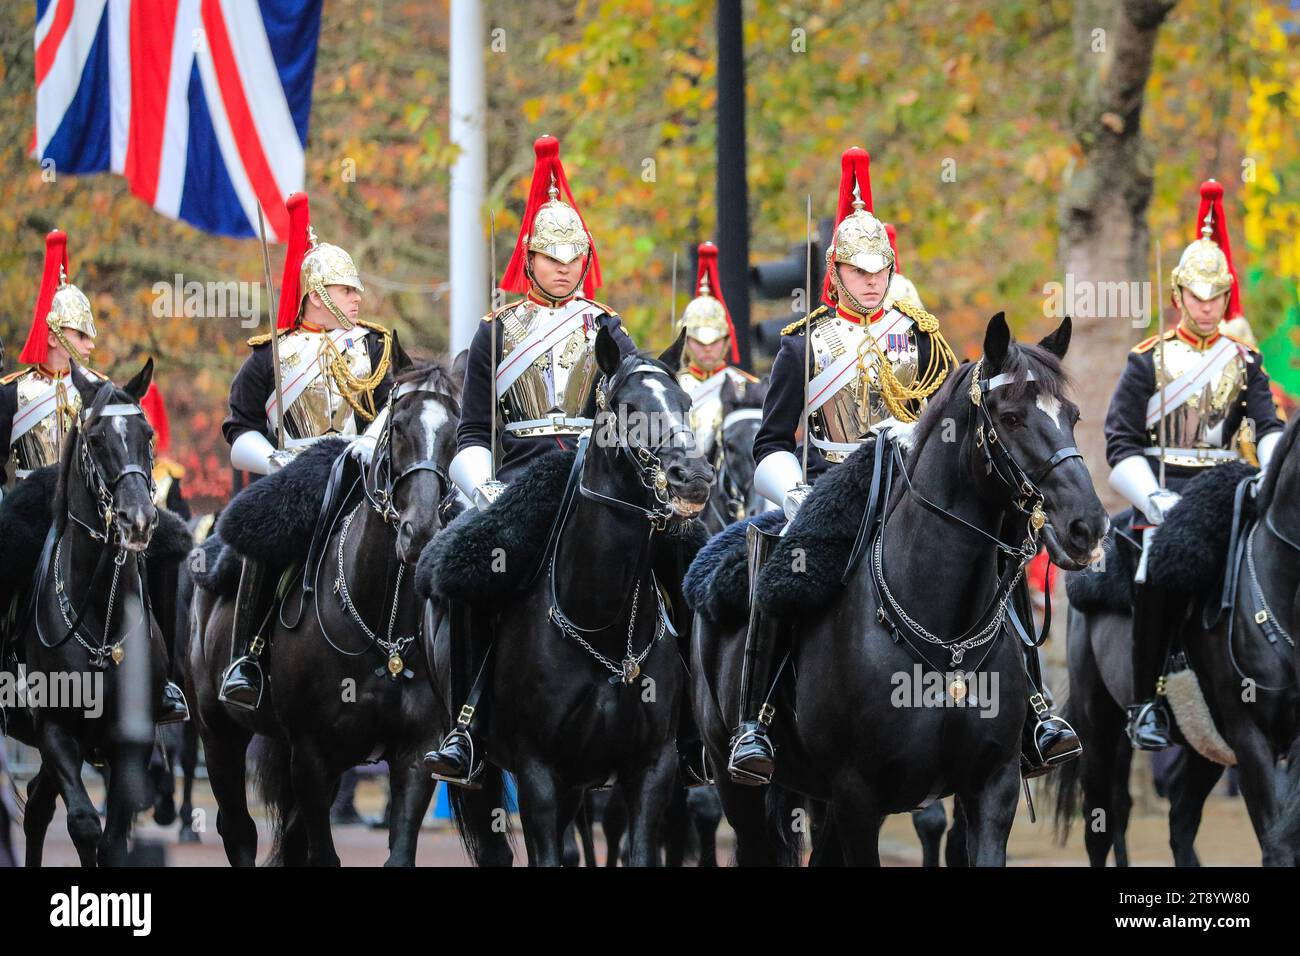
{"points": [[201, 104]]}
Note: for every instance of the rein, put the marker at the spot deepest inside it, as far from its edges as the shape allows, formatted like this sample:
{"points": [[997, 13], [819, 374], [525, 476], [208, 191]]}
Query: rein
{"points": [[103, 492], [1026, 498]]}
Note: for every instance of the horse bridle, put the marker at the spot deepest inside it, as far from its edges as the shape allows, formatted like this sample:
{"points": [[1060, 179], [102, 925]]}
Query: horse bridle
{"points": [[102, 489], [734, 494], [380, 484], [645, 461]]}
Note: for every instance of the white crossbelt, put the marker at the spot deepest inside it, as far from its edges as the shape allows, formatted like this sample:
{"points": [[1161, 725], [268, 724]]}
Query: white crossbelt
{"points": [[544, 336], [555, 421], [35, 412], [1178, 391], [311, 370], [827, 383], [708, 388]]}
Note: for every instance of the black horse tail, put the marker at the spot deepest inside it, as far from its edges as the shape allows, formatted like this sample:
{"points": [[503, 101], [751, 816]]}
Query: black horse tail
{"points": [[1286, 825], [1067, 786], [275, 787], [482, 818], [783, 807]]}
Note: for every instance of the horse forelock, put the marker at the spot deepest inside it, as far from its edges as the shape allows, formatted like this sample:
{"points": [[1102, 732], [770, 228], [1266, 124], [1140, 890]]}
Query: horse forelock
{"points": [[433, 375]]}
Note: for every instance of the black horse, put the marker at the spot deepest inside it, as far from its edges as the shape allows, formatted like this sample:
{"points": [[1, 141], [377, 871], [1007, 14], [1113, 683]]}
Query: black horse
{"points": [[732, 496], [89, 611], [994, 450], [1234, 653], [560, 722], [344, 667]]}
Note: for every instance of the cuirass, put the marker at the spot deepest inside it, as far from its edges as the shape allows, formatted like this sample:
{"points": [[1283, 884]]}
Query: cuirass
{"points": [[321, 409], [548, 397], [1199, 419], [706, 405], [43, 443], [857, 405]]}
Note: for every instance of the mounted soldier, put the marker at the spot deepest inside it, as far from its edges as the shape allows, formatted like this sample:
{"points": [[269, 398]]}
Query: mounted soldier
{"points": [[710, 341], [529, 381], [39, 405], [1190, 398], [867, 370], [333, 377]]}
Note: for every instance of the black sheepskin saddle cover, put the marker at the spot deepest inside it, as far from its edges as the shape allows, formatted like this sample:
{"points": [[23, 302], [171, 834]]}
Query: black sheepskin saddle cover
{"points": [[717, 582], [484, 556], [1191, 548], [274, 518], [26, 515], [805, 568], [215, 567], [1107, 586]]}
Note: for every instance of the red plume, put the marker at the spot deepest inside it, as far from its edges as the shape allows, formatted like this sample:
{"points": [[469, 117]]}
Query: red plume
{"points": [[1212, 198], [708, 269], [37, 348], [855, 168], [156, 412], [290, 291], [892, 233], [547, 150]]}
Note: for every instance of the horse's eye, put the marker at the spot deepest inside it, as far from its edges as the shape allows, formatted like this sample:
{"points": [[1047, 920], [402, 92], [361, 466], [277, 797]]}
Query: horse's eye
{"points": [[1010, 419]]}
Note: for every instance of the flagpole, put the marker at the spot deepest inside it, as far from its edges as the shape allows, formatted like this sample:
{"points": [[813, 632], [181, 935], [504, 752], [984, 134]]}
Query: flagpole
{"points": [[275, 345]]}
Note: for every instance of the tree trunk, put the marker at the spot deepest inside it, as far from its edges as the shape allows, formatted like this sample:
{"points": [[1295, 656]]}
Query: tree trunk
{"points": [[1103, 214]]}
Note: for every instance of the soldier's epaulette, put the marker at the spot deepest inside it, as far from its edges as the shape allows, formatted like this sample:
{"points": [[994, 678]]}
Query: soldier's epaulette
{"points": [[797, 324], [265, 337], [167, 466], [1242, 342], [924, 320], [747, 377], [603, 307], [505, 308], [373, 327], [1146, 345], [13, 376]]}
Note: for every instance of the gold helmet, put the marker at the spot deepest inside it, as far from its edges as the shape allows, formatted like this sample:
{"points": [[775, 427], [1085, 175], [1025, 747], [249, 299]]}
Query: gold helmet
{"points": [[59, 305], [1205, 267], [311, 266], [551, 226], [706, 318], [860, 238]]}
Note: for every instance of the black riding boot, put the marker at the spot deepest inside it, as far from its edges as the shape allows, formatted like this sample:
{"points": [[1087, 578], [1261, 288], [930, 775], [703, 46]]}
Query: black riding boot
{"points": [[753, 757], [241, 685], [457, 759], [1048, 740], [173, 709], [1149, 722]]}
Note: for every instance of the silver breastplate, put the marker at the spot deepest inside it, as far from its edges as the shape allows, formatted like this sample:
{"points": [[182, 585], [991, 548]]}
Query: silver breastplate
{"points": [[321, 409], [845, 420], [1195, 425], [43, 442], [548, 398], [706, 406]]}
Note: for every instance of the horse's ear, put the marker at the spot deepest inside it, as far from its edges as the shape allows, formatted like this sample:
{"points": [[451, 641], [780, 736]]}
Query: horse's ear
{"points": [[1058, 342], [401, 361], [672, 356], [458, 366], [730, 400], [997, 339], [140, 384], [86, 386], [608, 357]]}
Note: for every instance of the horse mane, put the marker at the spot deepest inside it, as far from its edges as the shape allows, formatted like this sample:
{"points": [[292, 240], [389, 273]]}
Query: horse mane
{"points": [[1268, 487], [1022, 358], [436, 375]]}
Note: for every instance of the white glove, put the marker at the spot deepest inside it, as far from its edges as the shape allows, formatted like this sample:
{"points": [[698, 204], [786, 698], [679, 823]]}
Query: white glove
{"points": [[1132, 477], [777, 475], [1264, 450], [250, 451], [471, 472], [362, 448], [794, 500], [1160, 504]]}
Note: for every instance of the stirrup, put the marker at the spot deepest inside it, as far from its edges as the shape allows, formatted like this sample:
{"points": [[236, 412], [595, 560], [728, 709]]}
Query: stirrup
{"points": [[739, 774], [470, 781], [1152, 738], [691, 778], [180, 716], [225, 678]]}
